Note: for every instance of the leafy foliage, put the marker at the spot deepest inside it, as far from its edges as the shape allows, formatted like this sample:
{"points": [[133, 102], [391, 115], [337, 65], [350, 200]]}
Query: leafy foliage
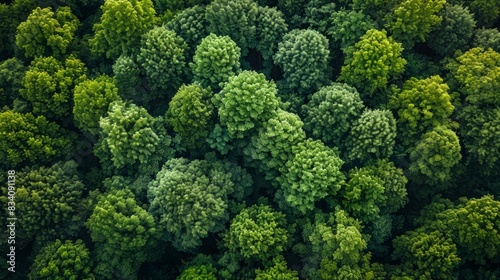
{"points": [[123, 234], [162, 56], [487, 38], [68, 260], [372, 136], [49, 202], [372, 62], [121, 26], [236, 19], [454, 32], [273, 145], [28, 139], [346, 27], [304, 71], [189, 114], [11, 74], [412, 20], [435, 155], [48, 85], [45, 33], [271, 27], [91, 101], [245, 102], [331, 112], [191, 199], [278, 271], [421, 105], [190, 24], [216, 59], [312, 174]]}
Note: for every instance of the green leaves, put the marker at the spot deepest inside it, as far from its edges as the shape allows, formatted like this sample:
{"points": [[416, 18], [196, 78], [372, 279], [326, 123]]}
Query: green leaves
{"points": [[303, 70], [372, 62], [216, 59], [245, 102], [312, 174], [45, 34]]}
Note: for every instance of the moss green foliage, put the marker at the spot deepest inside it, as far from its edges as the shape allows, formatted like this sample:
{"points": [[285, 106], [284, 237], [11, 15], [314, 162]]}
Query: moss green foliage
{"points": [[190, 25], [421, 105], [189, 114], [128, 79], [411, 21], [312, 174], [236, 19], [11, 74], [45, 33], [258, 233], [346, 27], [372, 62], [121, 26], [434, 156], [273, 145], [372, 136], [331, 112], [91, 101], [486, 12], [48, 85], [63, 260], [271, 27], [245, 102], [123, 234], [162, 56], [454, 32], [28, 139], [49, 202], [205, 272], [335, 248], [216, 59], [487, 38], [278, 271], [179, 199], [427, 255], [132, 138], [304, 71]]}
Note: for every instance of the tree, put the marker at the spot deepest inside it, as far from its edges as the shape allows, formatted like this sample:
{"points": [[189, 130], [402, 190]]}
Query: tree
{"points": [[454, 32], [312, 174], [372, 62], [427, 255], [45, 33], [434, 156], [245, 102], [486, 12], [68, 260], [132, 139], [206, 272], [346, 27], [412, 20], [257, 234], [363, 194], [123, 234], [273, 145], [278, 271], [121, 26], [331, 112], [49, 203], [28, 139], [190, 199], [130, 82], [91, 101], [271, 27], [371, 137], [236, 19], [487, 38], [162, 56], [190, 24], [216, 59], [11, 74], [421, 105], [48, 85], [303, 56], [189, 114]]}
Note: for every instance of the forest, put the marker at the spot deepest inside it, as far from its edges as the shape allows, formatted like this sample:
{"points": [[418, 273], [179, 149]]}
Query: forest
{"points": [[250, 139]]}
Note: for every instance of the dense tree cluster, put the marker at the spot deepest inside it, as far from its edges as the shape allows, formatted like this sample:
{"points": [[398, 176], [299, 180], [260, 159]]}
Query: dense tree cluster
{"points": [[250, 139]]}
